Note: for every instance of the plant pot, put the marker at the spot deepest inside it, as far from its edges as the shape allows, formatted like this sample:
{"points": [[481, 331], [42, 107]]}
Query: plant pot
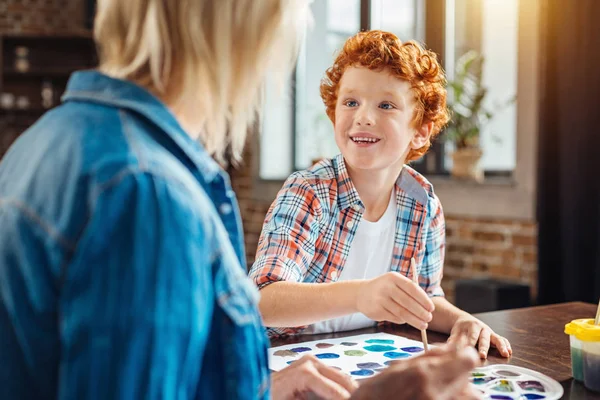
{"points": [[465, 164]]}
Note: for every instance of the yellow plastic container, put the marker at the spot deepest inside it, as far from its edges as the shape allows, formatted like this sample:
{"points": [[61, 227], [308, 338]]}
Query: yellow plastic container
{"points": [[576, 348], [589, 335]]}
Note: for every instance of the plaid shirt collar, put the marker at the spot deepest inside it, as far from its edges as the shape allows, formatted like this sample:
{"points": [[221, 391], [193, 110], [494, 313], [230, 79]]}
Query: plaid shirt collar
{"points": [[408, 182]]}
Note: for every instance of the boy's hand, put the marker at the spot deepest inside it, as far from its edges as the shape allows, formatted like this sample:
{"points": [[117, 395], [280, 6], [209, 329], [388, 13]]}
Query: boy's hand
{"points": [[395, 298], [469, 331]]}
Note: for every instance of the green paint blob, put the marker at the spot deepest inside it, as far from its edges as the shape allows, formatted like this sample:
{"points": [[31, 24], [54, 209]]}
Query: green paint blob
{"points": [[355, 353]]}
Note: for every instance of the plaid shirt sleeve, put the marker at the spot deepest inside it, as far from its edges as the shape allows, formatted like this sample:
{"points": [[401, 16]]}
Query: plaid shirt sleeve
{"points": [[290, 232], [432, 266]]}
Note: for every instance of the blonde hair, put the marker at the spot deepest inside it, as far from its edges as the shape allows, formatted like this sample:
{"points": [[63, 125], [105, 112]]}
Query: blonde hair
{"points": [[211, 54]]}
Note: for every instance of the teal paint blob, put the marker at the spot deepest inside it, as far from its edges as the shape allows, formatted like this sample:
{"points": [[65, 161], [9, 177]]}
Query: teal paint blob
{"points": [[395, 355], [362, 372], [379, 341], [327, 356], [379, 348]]}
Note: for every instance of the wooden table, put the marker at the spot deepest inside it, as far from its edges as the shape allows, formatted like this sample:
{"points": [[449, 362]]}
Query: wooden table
{"points": [[536, 335]]}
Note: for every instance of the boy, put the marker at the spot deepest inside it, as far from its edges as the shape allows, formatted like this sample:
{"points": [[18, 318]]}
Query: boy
{"points": [[336, 246]]}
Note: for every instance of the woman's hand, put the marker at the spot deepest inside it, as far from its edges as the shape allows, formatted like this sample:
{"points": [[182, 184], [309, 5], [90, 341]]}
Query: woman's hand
{"points": [[308, 375]]}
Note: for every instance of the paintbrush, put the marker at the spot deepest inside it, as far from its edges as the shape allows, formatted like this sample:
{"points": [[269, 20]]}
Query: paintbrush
{"points": [[415, 278], [597, 320]]}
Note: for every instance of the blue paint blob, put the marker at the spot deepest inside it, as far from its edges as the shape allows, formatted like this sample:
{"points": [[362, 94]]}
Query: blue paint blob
{"points": [[388, 362], [533, 396], [379, 347], [380, 341], [289, 362], [362, 372], [301, 349], [327, 356], [412, 349], [368, 365], [394, 355]]}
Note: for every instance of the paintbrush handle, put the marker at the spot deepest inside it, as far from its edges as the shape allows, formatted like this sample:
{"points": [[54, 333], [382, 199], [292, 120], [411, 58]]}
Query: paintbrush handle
{"points": [[597, 320], [415, 279]]}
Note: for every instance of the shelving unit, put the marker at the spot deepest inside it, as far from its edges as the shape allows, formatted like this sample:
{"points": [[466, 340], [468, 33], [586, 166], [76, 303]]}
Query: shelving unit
{"points": [[49, 62]]}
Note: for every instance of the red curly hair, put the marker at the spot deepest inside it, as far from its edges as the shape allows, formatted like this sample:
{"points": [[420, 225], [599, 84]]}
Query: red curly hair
{"points": [[379, 50]]}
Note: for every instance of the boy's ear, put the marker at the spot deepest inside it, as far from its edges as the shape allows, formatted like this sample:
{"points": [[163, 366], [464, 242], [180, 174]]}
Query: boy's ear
{"points": [[422, 135]]}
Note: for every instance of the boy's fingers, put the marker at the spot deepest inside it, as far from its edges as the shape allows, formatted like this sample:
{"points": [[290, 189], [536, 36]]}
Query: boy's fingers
{"points": [[406, 314], [414, 291], [484, 343]]}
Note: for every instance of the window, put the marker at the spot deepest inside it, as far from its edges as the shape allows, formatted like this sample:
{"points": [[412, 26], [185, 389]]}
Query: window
{"points": [[295, 130]]}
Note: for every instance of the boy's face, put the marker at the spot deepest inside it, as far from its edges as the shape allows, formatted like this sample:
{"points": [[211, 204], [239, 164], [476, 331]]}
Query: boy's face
{"points": [[373, 120]]}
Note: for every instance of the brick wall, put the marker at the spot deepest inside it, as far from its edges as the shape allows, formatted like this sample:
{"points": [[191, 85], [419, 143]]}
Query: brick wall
{"points": [[41, 16], [475, 247]]}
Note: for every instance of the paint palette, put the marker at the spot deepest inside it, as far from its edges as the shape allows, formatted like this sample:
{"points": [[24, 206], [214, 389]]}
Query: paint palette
{"points": [[509, 382], [360, 356], [363, 356]]}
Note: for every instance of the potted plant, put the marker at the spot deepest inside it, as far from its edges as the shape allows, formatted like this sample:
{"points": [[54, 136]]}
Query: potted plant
{"points": [[468, 116]]}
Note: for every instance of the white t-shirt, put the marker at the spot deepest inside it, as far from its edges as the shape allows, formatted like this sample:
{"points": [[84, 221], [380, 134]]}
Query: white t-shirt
{"points": [[370, 256]]}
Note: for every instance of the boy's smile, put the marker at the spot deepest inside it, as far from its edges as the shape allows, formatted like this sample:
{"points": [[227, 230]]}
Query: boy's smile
{"points": [[373, 119]]}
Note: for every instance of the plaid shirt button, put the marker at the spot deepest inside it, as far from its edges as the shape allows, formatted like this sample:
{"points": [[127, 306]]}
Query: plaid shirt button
{"points": [[350, 224]]}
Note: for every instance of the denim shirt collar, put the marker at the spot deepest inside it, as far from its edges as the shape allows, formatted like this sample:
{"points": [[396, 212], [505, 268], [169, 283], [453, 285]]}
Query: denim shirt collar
{"points": [[96, 87]]}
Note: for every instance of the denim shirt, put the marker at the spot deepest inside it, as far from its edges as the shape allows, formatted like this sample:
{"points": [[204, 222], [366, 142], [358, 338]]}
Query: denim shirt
{"points": [[121, 258]]}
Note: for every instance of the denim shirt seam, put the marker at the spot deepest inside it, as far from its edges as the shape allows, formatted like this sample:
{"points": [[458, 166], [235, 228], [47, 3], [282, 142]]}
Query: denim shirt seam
{"points": [[131, 141], [46, 226]]}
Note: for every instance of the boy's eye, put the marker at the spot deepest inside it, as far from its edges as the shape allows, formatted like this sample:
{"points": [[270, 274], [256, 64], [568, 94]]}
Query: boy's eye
{"points": [[386, 106], [351, 103]]}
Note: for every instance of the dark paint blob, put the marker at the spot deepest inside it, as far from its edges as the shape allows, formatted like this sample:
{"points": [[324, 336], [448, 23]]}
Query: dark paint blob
{"points": [[412, 349], [301, 349], [368, 365]]}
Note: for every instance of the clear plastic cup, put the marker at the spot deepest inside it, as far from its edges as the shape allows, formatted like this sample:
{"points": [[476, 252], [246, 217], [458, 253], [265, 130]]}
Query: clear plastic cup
{"points": [[589, 335], [576, 348]]}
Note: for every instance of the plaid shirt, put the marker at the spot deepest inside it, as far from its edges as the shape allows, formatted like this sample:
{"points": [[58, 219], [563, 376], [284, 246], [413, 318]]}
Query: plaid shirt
{"points": [[308, 231]]}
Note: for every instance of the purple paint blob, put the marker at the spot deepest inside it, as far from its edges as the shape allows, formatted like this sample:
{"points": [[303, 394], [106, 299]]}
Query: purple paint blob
{"points": [[412, 349], [501, 397], [362, 372], [301, 349], [395, 355], [533, 396], [327, 356], [368, 365], [379, 348], [533, 386]]}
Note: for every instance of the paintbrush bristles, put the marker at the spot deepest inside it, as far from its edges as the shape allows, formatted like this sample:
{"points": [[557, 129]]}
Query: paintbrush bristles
{"points": [[415, 278]]}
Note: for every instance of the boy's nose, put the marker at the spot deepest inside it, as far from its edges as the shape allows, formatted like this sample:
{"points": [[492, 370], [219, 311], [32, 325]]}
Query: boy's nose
{"points": [[364, 119]]}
